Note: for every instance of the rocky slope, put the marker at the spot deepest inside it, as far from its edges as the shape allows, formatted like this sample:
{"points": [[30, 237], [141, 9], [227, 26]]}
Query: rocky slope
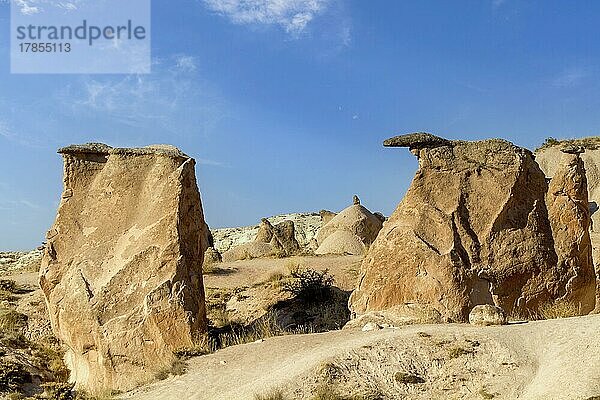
{"points": [[13, 261], [306, 226]]}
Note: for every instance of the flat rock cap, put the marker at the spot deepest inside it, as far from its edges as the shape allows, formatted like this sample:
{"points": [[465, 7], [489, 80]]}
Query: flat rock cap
{"points": [[417, 140], [101, 148]]}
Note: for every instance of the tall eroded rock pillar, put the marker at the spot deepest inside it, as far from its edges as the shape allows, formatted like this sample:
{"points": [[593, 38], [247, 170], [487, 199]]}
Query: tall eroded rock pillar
{"points": [[569, 214], [122, 269]]}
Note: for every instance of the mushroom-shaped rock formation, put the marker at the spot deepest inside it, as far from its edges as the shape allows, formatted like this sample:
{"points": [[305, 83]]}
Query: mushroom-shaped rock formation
{"points": [[472, 229], [122, 268]]}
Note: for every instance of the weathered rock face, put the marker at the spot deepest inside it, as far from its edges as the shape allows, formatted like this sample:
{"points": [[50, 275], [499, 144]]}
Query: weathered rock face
{"points": [[122, 269], [472, 229], [281, 236], [326, 216], [271, 241], [306, 226], [567, 202], [211, 256], [550, 159], [349, 232]]}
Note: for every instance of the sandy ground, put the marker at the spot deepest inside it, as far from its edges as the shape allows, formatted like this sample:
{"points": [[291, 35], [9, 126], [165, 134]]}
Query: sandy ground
{"points": [[247, 272], [552, 360]]}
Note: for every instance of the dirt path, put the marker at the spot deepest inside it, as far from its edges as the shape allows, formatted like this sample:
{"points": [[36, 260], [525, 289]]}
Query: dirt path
{"points": [[558, 359]]}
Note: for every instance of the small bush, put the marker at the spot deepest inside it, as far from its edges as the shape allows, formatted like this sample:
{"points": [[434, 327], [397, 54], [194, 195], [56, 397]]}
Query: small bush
{"points": [[178, 367], [8, 285], [327, 392], [5, 295], [309, 285], [12, 376], [58, 391], [52, 360], [550, 142]]}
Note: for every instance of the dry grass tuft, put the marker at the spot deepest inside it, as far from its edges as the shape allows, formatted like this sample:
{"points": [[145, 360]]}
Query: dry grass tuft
{"points": [[485, 394], [275, 394], [457, 351], [408, 379], [558, 309]]}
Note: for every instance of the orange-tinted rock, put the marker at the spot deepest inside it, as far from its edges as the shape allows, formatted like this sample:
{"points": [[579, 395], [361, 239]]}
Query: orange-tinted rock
{"points": [[569, 215], [122, 269], [472, 229]]}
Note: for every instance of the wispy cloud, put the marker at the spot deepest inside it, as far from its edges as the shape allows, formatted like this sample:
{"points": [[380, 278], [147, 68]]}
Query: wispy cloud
{"points": [[211, 163], [14, 204], [185, 63], [292, 15], [497, 4], [27, 7], [5, 131], [570, 77], [31, 7], [173, 99]]}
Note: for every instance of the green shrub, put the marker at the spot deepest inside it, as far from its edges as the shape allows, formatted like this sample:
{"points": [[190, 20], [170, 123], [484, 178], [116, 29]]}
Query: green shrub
{"points": [[309, 285], [12, 376]]}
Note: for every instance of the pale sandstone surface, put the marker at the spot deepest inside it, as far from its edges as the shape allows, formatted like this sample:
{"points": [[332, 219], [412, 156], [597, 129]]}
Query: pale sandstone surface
{"points": [[306, 226], [122, 269], [270, 241], [472, 229], [349, 232], [549, 158], [487, 314], [568, 211]]}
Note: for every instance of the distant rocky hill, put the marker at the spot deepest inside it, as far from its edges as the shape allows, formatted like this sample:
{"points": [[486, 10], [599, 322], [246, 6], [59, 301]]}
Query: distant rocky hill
{"points": [[306, 226], [12, 261]]}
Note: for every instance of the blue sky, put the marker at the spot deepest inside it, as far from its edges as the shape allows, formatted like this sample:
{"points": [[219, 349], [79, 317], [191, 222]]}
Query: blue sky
{"points": [[285, 103]]}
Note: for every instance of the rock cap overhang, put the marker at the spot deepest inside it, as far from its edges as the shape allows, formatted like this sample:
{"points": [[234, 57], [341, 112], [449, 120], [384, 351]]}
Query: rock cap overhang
{"points": [[101, 148], [424, 140], [417, 140]]}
